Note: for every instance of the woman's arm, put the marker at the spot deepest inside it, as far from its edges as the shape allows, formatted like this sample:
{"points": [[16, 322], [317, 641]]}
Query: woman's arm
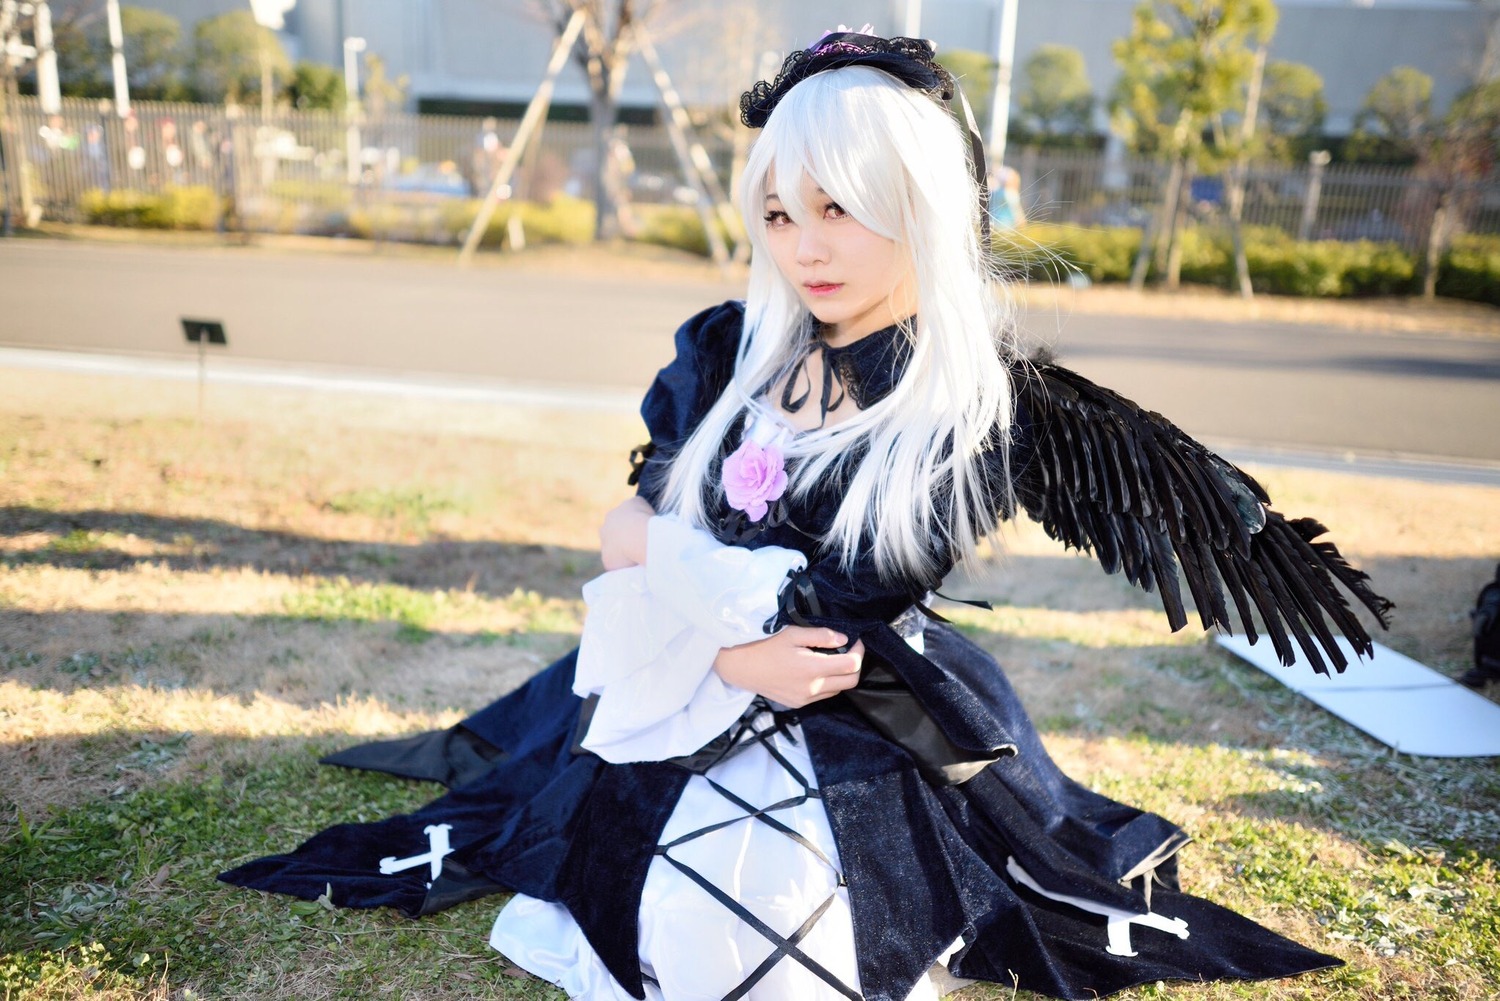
{"points": [[790, 667], [622, 536]]}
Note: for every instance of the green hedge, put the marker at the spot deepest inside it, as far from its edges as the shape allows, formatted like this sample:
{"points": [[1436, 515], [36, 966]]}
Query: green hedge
{"points": [[1278, 264], [192, 207], [677, 226], [565, 219], [1471, 270]]}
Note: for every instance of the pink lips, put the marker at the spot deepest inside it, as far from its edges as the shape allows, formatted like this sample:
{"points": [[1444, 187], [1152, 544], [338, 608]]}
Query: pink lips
{"points": [[821, 288]]}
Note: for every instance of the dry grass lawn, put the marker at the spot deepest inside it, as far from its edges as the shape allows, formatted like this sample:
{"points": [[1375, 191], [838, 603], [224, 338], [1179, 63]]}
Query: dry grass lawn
{"points": [[190, 613]]}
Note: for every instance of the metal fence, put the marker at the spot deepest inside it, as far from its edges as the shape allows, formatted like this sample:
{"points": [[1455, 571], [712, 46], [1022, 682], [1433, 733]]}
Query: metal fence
{"points": [[1318, 201], [415, 177]]}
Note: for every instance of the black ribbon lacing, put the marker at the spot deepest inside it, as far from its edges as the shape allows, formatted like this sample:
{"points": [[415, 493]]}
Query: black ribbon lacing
{"points": [[750, 732], [935, 617], [797, 601], [826, 402], [735, 528]]}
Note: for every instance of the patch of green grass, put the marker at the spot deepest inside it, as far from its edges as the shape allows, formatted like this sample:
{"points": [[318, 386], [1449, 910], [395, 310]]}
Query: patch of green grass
{"points": [[79, 542], [88, 893], [87, 970], [12, 659], [485, 637], [84, 664], [378, 557], [541, 614], [411, 509], [345, 600], [156, 755]]}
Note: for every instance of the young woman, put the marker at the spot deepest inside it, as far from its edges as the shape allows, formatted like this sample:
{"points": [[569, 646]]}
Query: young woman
{"points": [[769, 771]]}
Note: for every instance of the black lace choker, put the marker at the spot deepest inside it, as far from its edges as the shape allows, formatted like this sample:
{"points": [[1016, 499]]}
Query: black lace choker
{"points": [[866, 370]]}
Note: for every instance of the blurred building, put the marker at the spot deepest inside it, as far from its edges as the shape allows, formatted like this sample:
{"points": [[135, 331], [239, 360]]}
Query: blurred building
{"points": [[486, 56]]}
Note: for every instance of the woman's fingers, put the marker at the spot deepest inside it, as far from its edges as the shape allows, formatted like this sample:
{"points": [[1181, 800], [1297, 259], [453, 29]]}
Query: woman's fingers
{"points": [[814, 637], [834, 672]]}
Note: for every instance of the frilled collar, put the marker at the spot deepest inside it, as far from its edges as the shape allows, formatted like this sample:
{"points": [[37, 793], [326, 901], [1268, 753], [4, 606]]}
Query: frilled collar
{"points": [[866, 370]]}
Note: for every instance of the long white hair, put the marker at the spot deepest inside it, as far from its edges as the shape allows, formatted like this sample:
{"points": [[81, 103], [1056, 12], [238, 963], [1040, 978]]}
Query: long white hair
{"points": [[897, 162]]}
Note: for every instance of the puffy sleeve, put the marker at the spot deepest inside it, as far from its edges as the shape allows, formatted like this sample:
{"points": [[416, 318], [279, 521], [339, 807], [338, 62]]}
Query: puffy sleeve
{"points": [[652, 633], [685, 390]]}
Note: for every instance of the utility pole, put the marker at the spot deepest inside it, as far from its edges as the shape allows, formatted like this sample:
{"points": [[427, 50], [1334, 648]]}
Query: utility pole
{"points": [[1005, 57], [270, 15], [13, 55], [117, 59], [47, 88], [353, 110], [913, 26]]}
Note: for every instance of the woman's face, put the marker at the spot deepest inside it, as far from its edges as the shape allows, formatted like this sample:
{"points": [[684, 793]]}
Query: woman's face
{"points": [[853, 280]]}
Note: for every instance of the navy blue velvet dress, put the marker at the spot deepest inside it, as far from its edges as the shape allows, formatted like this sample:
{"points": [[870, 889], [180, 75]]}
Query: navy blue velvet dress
{"points": [[1019, 860]]}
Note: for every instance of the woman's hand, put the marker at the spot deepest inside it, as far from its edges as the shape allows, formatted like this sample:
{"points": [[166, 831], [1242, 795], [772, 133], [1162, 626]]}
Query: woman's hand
{"points": [[786, 667], [622, 537]]}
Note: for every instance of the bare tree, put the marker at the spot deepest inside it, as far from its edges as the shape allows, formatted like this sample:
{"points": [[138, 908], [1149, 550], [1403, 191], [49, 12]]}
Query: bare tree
{"points": [[726, 69], [1461, 154], [604, 53]]}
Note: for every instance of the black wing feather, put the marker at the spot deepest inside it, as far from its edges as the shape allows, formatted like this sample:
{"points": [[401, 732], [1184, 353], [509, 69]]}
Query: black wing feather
{"points": [[1128, 486]]}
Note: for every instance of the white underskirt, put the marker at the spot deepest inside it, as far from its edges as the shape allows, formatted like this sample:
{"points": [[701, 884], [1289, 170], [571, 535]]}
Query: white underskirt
{"points": [[694, 947]]}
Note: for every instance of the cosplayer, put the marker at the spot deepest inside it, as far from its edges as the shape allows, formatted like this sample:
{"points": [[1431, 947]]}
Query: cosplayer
{"points": [[770, 770]]}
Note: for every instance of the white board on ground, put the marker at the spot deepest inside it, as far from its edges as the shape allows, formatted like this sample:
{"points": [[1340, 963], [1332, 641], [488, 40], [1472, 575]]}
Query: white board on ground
{"points": [[1398, 701]]}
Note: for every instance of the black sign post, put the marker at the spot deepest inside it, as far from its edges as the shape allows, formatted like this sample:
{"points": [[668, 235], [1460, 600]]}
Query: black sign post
{"points": [[203, 333]]}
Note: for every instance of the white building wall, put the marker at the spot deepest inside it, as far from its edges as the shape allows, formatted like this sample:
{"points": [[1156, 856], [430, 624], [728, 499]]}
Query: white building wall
{"points": [[497, 50]]}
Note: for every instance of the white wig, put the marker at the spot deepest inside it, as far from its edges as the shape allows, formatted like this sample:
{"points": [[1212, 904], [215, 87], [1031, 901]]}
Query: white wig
{"points": [[897, 162]]}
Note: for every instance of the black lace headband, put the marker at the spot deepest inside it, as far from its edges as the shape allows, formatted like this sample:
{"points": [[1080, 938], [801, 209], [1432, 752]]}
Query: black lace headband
{"points": [[910, 60]]}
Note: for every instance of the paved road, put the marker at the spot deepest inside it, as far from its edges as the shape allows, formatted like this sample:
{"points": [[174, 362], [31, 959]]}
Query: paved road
{"points": [[1268, 385]]}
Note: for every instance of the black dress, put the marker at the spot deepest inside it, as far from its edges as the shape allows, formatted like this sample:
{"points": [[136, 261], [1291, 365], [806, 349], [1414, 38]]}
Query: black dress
{"points": [[949, 817]]}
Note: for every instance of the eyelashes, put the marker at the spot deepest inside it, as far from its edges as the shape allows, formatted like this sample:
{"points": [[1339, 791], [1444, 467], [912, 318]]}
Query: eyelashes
{"points": [[777, 217]]}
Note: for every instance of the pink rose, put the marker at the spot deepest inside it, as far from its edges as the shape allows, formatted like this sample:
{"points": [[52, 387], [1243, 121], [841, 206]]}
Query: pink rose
{"points": [[754, 476]]}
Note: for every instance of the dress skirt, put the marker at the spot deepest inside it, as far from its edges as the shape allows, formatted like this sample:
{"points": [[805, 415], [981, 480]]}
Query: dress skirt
{"points": [[1018, 875]]}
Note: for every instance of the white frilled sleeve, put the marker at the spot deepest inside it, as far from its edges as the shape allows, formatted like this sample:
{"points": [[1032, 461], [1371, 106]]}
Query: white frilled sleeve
{"points": [[652, 633]]}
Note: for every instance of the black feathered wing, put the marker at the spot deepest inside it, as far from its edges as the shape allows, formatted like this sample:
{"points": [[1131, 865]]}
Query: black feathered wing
{"points": [[1106, 477]]}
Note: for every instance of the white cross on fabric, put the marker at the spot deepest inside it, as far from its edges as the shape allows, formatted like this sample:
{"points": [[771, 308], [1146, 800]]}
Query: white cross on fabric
{"points": [[1117, 922], [437, 850]]}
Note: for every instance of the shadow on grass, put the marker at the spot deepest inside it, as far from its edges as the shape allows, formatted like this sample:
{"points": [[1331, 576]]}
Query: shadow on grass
{"points": [[83, 541], [298, 662]]}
